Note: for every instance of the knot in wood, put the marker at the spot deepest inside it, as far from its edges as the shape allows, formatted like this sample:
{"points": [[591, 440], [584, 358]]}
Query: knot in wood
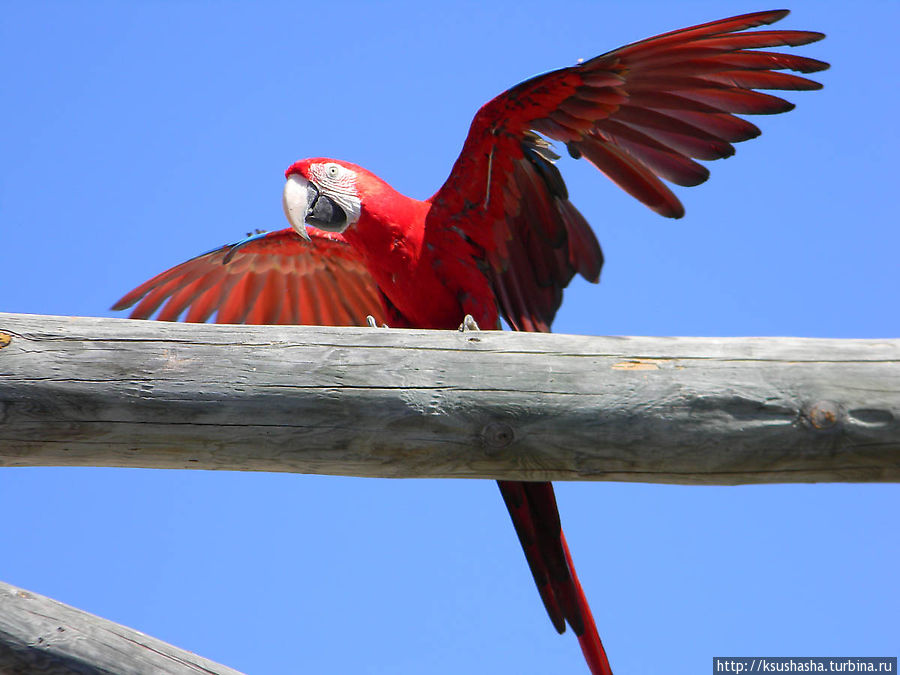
{"points": [[497, 435], [823, 415]]}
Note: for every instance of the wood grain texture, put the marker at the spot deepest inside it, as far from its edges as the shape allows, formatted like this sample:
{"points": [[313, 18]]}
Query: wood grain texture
{"points": [[400, 403], [42, 636]]}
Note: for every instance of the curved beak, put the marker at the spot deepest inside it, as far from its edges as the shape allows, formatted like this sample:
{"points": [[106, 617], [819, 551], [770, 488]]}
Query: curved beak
{"points": [[305, 205], [298, 197]]}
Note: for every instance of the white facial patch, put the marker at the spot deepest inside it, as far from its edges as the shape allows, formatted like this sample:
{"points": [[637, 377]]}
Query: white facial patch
{"points": [[339, 183]]}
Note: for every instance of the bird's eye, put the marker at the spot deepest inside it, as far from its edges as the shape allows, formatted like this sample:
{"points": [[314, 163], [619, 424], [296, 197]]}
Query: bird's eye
{"points": [[332, 170]]}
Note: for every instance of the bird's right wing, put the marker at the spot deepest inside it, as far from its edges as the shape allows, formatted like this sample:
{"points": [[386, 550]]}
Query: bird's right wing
{"points": [[642, 114], [277, 278]]}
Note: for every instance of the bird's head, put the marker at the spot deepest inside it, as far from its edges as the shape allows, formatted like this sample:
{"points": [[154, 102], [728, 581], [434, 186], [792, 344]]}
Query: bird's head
{"points": [[325, 193]]}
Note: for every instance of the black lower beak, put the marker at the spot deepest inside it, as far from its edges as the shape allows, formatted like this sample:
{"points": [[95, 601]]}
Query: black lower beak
{"points": [[325, 213]]}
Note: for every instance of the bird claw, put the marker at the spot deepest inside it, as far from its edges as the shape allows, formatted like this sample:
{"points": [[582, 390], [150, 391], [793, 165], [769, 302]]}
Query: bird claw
{"points": [[468, 324], [373, 323]]}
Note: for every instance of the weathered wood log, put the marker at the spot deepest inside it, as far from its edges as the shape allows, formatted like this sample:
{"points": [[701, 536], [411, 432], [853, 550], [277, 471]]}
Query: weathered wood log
{"points": [[397, 403], [40, 635]]}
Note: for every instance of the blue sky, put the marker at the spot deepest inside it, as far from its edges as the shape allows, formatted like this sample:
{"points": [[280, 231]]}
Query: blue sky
{"points": [[136, 135]]}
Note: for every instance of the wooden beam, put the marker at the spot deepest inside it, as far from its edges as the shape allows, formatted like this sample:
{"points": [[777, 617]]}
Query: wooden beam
{"points": [[40, 635], [398, 403]]}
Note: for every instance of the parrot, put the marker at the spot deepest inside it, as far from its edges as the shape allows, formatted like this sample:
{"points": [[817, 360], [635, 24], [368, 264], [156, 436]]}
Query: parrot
{"points": [[500, 240]]}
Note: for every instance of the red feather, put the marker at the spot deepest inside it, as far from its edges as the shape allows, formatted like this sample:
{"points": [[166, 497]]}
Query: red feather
{"points": [[269, 280]]}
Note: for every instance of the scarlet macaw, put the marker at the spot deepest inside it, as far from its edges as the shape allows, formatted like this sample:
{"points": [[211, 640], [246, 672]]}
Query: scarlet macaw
{"points": [[500, 237]]}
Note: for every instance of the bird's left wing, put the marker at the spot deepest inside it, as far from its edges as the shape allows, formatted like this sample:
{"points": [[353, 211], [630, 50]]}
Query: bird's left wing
{"points": [[640, 114], [275, 278]]}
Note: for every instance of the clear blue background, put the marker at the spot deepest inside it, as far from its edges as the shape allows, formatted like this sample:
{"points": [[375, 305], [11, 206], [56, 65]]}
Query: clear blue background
{"points": [[136, 135]]}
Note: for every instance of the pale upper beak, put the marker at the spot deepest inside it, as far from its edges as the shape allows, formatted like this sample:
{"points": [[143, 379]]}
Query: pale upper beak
{"points": [[297, 199]]}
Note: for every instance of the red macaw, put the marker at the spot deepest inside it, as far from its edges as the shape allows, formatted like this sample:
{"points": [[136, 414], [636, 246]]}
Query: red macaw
{"points": [[500, 238]]}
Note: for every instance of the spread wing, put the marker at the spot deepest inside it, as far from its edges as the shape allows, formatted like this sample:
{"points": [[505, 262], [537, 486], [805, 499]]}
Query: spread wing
{"points": [[642, 114], [277, 278]]}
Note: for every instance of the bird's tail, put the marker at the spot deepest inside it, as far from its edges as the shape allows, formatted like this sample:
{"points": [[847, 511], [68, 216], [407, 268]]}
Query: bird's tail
{"points": [[532, 507], [589, 638]]}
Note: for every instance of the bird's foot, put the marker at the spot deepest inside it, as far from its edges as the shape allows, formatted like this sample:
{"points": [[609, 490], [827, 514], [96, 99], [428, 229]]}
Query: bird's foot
{"points": [[373, 323], [468, 324]]}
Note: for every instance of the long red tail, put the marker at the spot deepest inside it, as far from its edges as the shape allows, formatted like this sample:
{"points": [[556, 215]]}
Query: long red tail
{"points": [[532, 507]]}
